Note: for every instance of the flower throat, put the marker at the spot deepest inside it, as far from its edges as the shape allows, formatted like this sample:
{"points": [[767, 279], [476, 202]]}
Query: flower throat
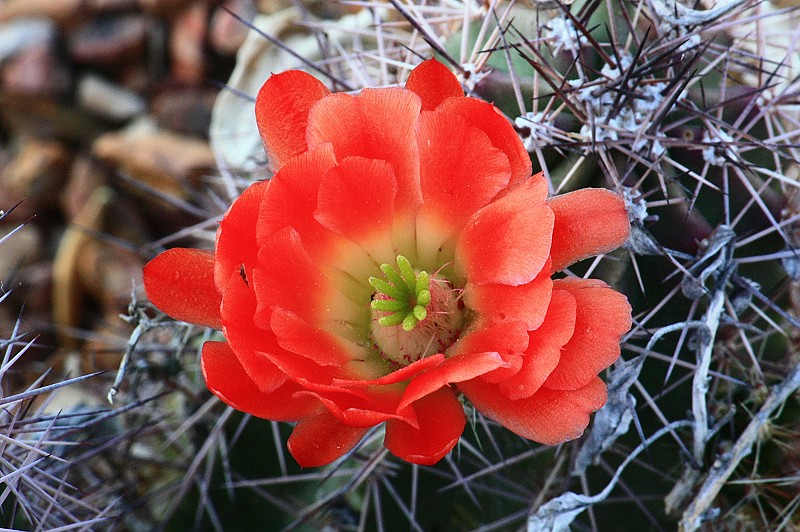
{"points": [[413, 315]]}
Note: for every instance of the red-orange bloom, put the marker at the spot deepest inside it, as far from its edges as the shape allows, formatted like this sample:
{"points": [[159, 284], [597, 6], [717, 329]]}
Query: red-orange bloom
{"points": [[401, 255]]}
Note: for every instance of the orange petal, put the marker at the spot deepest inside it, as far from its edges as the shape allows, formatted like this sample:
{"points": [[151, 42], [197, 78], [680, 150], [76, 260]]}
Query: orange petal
{"points": [[602, 317], [375, 124], [454, 369], [356, 200], [460, 172], [544, 347], [282, 107], [287, 277], [247, 341], [526, 302], [297, 336], [180, 282], [433, 83], [399, 375], [490, 120], [357, 410], [588, 222], [225, 377], [508, 241], [508, 339], [320, 439], [441, 421], [550, 417], [236, 236], [509, 336], [292, 200]]}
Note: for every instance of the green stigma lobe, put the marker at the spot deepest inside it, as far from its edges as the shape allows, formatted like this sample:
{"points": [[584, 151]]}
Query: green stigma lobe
{"points": [[404, 294]]}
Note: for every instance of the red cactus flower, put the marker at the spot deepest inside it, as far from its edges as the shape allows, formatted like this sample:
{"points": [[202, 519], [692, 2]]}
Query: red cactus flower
{"points": [[402, 255]]}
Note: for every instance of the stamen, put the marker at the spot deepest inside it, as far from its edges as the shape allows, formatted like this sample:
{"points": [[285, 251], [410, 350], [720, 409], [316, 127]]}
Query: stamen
{"points": [[403, 293]]}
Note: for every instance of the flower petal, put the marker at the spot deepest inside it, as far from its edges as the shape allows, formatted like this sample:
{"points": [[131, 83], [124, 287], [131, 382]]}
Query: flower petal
{"points": [[544, 347], [248, 341], [292, 199], [282, 107], [508, 241], [602, 317], [433, 83], [460, 172], [527, 302], [356, 200], [401, 374], [375, 124], [180, 282], [297, 336], [226, 377], [441, 421], [320, 439], [549, 416], [454, 369], [236, 237], [502, 135], [379, 405], [510, 336], [588, 222], [287, 277]]}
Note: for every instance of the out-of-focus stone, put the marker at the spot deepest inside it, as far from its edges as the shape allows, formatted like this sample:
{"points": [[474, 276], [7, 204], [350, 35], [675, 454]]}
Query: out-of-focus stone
{"points": [[185, 111], [23, 246], [19, 34], [88, 268], [109, 40], [61, 10], [35, 282], [135, 77], [28, 115], [165, 8], [187, 45], [36, 70], [36, 173], [108, 100], [109, 273], [227, 34], [85, 176], [164, 161]]}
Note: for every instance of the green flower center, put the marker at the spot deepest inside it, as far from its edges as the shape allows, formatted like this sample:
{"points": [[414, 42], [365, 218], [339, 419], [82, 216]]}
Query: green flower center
{"points": [[404, 295], [413, 315]]}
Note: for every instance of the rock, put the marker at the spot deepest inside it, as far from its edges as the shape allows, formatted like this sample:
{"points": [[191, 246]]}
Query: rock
{"points": [[36, 173], [164, 8], [91, 271], [61, 11], [86, 175], [33, 116], [185, 111], [187, 45], [109, 40], [227, 33], [22, 33], [108, 100], [165, 161], [36, 70], [19, 248]]}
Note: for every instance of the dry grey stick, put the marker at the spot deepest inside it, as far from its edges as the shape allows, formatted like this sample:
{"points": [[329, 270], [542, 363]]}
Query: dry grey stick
{"points": [[700, 378], [719, 473], [721, 242], [557, 514], [680, 15]]}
